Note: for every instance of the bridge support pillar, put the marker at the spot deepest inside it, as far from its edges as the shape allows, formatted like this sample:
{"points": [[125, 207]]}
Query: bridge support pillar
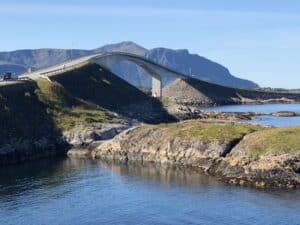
{"points": [[156, 88]]}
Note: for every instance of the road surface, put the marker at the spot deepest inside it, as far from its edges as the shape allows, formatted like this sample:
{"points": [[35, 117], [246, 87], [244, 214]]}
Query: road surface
{"points": [[65, 66]]}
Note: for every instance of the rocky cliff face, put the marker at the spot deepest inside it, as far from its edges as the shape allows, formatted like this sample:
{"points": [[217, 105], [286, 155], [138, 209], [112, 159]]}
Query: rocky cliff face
{"points": [[218, 149]]}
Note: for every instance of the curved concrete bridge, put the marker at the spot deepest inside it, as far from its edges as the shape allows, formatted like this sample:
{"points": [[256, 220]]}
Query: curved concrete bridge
{"points": [[107, 61]]}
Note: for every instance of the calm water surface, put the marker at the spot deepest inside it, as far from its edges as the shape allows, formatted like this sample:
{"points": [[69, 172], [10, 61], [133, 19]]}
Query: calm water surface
{"points": [[267, 108], [81, 191]]}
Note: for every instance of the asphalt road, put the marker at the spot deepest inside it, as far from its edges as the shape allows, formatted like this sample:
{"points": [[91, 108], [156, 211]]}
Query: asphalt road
{"points": [[65, 66]]}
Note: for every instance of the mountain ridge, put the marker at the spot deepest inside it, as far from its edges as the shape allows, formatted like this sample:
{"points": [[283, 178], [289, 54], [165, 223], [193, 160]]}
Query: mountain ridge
{"points": [[181, 60]]}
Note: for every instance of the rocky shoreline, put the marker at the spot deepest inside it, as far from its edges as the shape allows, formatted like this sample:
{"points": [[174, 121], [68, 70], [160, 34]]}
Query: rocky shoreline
{"points": [[80, 137], [17, 151], [221, 149], [226, 157], [216, 143]]}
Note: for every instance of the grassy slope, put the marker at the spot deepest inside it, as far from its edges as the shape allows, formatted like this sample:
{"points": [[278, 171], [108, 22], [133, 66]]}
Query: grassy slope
{"points": [[67, 111], [85, 95], [91, 94], [96, 86], [22, 115], [209, 131], [260, 141], [272, 141]]}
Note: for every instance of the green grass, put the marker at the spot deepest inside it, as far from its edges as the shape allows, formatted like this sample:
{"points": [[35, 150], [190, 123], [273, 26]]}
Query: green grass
{"points": [[260, 141], [67, 119], [209, 131], [273, 141], [53, 94], [67, 111]]}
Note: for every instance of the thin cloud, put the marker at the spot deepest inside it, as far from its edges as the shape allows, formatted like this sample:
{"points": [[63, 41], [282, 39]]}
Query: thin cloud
{"points": [[98, 11]]}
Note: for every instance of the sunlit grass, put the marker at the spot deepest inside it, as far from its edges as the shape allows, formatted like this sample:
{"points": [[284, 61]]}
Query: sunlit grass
{"points": [[67, 111]]}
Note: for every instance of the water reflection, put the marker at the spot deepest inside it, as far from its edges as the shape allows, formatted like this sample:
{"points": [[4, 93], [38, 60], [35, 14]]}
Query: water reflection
{"points": [[191, 178], [158, 174], [82, 191]]}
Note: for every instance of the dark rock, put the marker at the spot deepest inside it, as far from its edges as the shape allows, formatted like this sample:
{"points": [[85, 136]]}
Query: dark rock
{"points": [[284, 114], [84, 135]]}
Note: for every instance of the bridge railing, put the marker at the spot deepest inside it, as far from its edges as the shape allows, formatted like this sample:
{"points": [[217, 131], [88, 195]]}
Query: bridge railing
{"points": [[63, 69]]}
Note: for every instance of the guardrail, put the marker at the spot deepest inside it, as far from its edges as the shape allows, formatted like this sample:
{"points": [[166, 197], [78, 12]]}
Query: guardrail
{"points": [[53, 71], [64, 69]]}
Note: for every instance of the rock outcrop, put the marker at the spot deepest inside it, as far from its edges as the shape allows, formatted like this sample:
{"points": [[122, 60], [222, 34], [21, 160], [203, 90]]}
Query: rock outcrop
{"points": [[83, 139], [82, 135], [218, 149], [285, 114], [19, 150]]}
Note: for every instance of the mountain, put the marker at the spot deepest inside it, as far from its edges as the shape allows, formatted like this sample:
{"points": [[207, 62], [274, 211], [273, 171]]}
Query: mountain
{"points": [[128, 70], [197, 66], [12, 67], [38, 58], [180, 60], [126, 46]]}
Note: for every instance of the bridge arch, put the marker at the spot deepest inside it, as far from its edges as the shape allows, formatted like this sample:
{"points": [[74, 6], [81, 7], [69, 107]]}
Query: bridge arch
{"points": [[156, 71], [108, 60]]}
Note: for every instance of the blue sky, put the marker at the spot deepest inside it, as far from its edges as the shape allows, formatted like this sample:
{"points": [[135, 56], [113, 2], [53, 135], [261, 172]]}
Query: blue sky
{"points": [[256, 39]]}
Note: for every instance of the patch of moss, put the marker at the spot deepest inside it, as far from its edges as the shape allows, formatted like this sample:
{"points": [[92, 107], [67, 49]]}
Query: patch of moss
{"points": [[273, 141], [209, 131]]}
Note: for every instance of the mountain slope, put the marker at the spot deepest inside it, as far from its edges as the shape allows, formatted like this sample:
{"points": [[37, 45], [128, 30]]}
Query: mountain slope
{"points": [[126, 46], [200, 67], [39, 58], [180, 60], [12, 67]]}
